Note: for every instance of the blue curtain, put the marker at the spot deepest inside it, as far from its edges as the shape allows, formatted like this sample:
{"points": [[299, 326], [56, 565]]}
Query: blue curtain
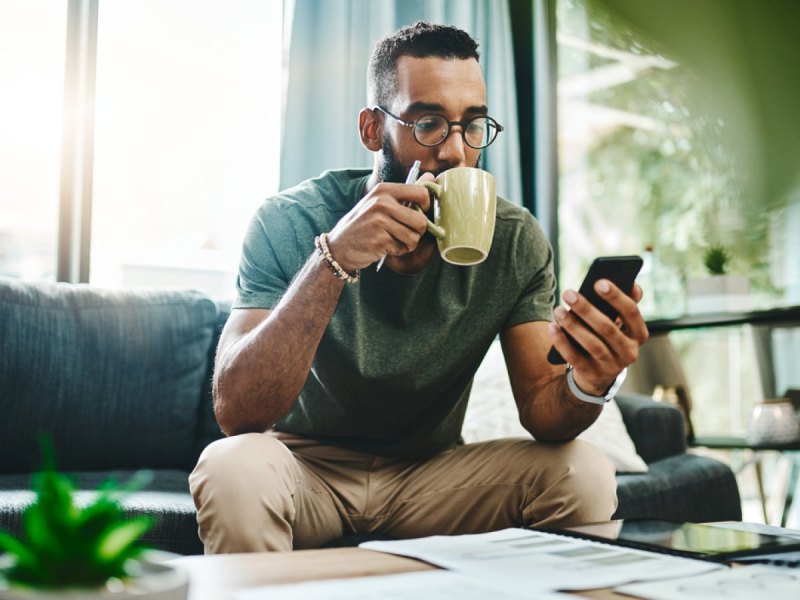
{"points": [[328, 50]]}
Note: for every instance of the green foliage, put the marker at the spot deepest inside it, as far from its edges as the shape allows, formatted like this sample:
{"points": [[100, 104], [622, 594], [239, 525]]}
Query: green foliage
{"points": [[716, 260], [672, 174], [66, 546]]}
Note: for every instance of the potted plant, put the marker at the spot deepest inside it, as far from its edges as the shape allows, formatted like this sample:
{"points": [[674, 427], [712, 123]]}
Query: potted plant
{"points": [[720, 291], [90, 553]]}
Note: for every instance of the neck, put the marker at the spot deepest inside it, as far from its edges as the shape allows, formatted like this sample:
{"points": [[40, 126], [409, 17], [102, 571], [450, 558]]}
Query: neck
{"points": [[373, 180]]}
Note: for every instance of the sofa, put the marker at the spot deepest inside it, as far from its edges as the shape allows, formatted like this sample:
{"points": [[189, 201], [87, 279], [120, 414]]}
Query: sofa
{"points": [[121, 382]]}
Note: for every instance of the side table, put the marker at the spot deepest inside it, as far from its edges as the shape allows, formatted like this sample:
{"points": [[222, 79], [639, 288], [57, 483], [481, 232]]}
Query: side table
{"points": [[790, 451], [221, 576]]}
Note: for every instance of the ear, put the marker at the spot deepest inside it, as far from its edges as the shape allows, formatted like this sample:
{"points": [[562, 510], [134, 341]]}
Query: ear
{"points": [[370, 126]]}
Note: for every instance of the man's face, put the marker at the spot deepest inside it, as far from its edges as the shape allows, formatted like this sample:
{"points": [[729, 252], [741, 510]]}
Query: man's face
{"points": [[453, 88]]}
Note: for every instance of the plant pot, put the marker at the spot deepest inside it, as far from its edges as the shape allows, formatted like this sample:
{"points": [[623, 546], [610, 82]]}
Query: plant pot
{"points": [[718, 293], [155, 582]]}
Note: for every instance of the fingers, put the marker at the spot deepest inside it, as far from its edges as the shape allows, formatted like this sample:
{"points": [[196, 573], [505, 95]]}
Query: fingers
{"points": [[395, 211], [402, 194], [426, 177], [609, 347], [638, 293], [627, 307], [385, 221], [597, 345]]}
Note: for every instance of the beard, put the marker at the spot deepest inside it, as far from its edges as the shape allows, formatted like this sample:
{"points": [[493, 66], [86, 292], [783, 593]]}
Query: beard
{"points": [[393, 171]]}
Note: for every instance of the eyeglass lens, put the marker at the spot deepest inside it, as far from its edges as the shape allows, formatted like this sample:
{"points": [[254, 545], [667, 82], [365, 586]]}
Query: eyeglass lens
{"points": [[433, 129]]}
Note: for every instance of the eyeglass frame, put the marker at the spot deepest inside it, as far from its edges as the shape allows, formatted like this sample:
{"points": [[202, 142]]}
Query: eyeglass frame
{"points": [[413, 126]]}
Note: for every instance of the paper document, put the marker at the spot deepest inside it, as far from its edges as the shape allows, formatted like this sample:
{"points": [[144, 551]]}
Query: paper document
{"points": [[523, 560], [740, 583], [430, 585]]}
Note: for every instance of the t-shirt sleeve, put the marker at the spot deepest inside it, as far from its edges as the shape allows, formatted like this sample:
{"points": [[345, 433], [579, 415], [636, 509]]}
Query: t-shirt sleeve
{"points": [[533, 260], [270, 258]]}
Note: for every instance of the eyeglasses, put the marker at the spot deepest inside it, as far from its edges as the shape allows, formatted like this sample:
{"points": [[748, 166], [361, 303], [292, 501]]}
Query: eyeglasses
{"points": [[432, 130]]}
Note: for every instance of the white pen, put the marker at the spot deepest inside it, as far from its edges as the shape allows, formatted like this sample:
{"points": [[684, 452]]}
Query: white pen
{"points": [[412, 178]]}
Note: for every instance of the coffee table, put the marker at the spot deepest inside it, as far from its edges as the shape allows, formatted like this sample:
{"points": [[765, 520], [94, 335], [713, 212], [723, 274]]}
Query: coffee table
{"points": [[219, 576]]}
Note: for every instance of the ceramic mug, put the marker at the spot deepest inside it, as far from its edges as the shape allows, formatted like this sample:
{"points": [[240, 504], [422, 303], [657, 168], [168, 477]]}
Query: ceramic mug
{"points": [[464, 207]]}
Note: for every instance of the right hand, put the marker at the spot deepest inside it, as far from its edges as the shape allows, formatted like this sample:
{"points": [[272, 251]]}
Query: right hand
{"points": [[380, 224]]}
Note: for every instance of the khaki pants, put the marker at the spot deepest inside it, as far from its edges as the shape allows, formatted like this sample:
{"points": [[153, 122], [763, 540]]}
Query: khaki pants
{"points": [[265, 491]]}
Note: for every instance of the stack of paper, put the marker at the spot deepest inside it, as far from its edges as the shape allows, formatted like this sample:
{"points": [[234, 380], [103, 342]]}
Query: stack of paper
{"points": [[521, 560], [517, 564]]}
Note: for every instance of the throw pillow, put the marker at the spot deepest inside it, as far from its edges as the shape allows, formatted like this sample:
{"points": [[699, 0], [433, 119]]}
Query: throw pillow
{"points": [[492, 414]]}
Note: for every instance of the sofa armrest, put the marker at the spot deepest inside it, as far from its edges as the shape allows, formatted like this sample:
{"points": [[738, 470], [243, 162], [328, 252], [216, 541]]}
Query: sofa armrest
{"points": [[656, 428]]}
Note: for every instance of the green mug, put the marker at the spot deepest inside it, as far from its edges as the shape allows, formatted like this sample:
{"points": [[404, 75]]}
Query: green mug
{"points": [[464, 210]]}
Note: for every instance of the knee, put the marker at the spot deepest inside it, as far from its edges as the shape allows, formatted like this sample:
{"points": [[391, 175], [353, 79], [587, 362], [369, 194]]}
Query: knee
{"points": [[581, 487], [590, 475], [242, 461]]}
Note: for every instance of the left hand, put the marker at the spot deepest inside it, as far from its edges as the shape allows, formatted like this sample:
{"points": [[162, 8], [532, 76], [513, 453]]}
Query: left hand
{"points": [[611, 346]]}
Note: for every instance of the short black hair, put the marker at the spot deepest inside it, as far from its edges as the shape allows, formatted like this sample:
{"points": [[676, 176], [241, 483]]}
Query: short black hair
{"points": [[419, 40]]}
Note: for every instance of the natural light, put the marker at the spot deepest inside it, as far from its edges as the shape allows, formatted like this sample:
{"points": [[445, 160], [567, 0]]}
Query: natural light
{"points": [[32, 39], [187, 134], [187, 138]]}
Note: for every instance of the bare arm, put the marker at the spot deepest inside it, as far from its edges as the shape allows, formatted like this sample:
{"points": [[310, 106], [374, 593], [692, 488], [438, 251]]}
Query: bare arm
{"points": [[546, 406], [264, 356]]}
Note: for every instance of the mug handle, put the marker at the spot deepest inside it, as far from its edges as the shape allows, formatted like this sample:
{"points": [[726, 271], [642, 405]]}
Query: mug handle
{"points": [[435, 230]]}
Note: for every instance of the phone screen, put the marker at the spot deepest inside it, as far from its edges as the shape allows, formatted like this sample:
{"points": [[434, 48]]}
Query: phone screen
{"points": [[621, 271]]}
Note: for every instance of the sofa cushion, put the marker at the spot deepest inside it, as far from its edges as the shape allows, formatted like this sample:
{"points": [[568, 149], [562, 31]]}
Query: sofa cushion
{"points": [[114, 377], [685, 487], [656, 428]]}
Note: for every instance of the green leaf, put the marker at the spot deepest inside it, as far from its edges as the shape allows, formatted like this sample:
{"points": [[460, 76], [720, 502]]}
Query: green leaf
{"points": [[13, 546], [42, 537], [138, 481], [120, 538]]}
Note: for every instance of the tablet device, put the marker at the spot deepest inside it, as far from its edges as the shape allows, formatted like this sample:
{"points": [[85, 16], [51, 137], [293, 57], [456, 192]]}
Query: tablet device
{"points": [[692, 540]]}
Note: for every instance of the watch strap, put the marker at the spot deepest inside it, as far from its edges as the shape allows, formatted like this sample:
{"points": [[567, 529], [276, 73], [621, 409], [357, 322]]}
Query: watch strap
{"points": [[581, 395]]}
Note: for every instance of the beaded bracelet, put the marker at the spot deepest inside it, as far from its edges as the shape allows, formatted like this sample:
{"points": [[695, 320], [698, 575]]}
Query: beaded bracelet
{"points": [[321, 244]]}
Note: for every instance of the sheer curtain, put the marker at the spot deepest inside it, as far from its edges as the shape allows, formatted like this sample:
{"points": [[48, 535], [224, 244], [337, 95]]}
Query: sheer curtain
{"points": [[328, 50]]}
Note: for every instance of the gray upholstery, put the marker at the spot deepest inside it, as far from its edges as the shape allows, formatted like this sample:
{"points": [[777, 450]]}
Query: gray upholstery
{"points": [[121, 381], [657, 429], [113, 377], [684, 487], [678, 486]]}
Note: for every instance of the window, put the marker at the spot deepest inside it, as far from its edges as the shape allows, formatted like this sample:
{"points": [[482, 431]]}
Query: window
{"points": [[668, 146], [32, 40], [663, 132], [187, 138]]}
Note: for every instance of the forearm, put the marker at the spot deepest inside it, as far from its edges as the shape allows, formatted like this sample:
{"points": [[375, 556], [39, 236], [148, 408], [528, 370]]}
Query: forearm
{"points": [[258, 378], [551, 413]]}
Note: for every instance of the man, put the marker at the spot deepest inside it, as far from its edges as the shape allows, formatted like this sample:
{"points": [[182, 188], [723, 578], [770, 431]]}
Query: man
{"points": [[342, 388]]}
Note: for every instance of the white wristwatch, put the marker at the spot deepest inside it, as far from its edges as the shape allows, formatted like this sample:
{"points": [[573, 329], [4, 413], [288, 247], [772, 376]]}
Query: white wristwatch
{"points": [[609, 395]]}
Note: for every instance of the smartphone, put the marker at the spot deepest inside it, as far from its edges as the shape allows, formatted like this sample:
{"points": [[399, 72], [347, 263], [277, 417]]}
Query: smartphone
{"points": [[622, 272]]}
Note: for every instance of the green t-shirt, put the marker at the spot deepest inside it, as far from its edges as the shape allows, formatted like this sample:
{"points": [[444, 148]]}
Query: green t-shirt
{"points": [[393, 371]]}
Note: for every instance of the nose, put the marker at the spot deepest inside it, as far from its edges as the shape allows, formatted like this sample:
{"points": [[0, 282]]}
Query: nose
{"points": [[453, 151]]}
